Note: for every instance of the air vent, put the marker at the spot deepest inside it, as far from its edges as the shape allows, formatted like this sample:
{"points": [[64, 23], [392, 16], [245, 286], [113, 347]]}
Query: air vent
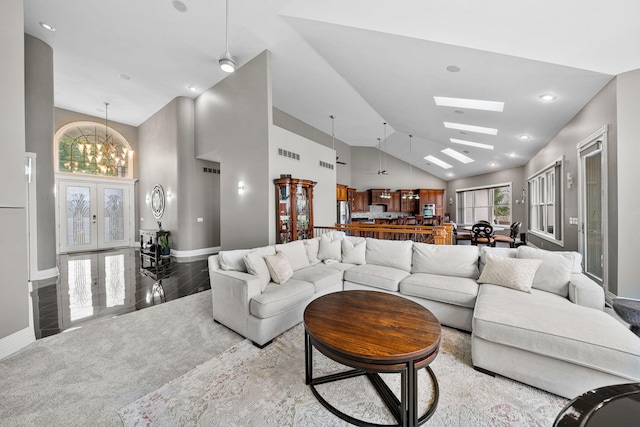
{"points": [[326, 165], [288, 154], [211, 170]]}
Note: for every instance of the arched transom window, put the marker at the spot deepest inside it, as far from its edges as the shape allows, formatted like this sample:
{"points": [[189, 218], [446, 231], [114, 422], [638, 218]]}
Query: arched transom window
{"points": [[92, 148]]}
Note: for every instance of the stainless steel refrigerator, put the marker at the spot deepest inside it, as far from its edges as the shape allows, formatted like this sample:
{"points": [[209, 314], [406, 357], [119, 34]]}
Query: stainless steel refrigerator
{"points": [[344, 215]]}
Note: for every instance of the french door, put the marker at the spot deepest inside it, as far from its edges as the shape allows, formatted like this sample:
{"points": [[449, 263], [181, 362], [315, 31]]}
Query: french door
{"points": [[94, 215], [592, 167]]}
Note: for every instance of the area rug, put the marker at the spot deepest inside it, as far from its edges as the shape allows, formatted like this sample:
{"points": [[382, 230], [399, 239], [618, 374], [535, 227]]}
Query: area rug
{"points": [[247, 386]]}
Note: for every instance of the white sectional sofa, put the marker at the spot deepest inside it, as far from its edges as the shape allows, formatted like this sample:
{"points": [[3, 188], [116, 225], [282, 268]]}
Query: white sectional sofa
{"points": [[552, 333]]}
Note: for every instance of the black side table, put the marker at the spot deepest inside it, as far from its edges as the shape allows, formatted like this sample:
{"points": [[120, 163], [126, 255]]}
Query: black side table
{"points": [[629, 310], [615, 405]]}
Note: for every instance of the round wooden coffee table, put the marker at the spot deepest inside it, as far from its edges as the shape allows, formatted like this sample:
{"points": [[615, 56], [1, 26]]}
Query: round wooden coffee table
{"points": [[374, 332]]}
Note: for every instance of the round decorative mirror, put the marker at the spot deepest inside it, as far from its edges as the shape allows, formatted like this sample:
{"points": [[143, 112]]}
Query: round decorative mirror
{"points": [[157, 201]]}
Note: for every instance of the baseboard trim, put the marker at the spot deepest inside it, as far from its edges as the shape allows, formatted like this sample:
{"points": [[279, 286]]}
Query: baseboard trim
{"points": [[16, 341], [47, 274], [195, 252]]}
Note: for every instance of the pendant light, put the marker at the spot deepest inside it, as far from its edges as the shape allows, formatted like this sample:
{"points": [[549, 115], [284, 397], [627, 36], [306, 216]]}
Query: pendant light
{"points": [[410, 194], [385, 194], [227, 61]]}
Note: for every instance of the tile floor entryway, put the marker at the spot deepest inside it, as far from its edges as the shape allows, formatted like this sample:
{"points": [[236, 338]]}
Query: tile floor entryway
{"points": [[98, 285]]}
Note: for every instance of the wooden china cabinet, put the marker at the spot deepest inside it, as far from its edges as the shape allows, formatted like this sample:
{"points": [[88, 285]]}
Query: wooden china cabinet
{"points": [[294, 209]]}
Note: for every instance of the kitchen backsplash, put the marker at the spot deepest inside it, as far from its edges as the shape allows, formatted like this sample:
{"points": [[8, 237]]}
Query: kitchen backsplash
{"points": [[377, 211]]}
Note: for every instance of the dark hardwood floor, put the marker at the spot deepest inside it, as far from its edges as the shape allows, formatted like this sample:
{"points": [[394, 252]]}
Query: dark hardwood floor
{"points": [[93, 286]]}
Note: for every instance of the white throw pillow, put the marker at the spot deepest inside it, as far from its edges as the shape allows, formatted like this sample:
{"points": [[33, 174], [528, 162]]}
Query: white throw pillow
{"points": [[511, 273], [555, 272], [312, 246], [330, 247], [295, 253], [354, 252], [279, 267], [446, 260], [257, 266], [233, 260]]}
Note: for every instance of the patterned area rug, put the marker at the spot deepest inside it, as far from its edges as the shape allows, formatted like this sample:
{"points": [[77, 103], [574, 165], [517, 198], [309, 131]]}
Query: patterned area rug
{"points": [[247, 386]]}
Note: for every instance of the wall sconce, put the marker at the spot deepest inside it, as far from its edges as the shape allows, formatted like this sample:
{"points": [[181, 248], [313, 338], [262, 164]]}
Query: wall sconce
{"points": [[524, 197], [450, 201], [147, 198], [169, 195], [240, 187], [569, 180]]}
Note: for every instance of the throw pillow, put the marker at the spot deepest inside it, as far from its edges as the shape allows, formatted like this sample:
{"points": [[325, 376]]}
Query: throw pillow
{"points": [[390, 253], [509, 272], [295, 253], [354, 252], [257, 266], [446, 260], [330, 247], [279, 268], [554, 273], [233, 260], [312, 246]]}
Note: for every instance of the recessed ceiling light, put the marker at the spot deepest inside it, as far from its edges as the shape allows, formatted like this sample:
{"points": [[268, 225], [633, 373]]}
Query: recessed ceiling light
{"points": [[124, 77], [453, 68], [450, 174], [179, 6], [475, 104], [47, 26], [548, 97], [193, 88], [438, 162], [471, 144], [512, 155], [492, 164], [465, 151], [458, 156], [471, 128], [524, 137]]}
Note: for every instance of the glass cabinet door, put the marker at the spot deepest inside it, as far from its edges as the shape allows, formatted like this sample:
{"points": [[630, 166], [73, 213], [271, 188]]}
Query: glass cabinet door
{"points": [[284, 213], [302, 202]]}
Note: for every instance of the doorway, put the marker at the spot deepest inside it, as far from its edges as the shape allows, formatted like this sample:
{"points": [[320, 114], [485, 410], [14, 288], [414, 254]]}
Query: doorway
{"points": [[592, 169], [94, 215]]}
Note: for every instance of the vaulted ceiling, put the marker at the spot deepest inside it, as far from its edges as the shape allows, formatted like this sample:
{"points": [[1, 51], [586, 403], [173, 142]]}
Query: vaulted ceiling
{"points": [[366, 62]]}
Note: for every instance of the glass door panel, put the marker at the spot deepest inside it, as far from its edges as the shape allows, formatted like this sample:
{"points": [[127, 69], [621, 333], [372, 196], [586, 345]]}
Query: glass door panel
{"points": [[77, 217], [593, 216], [113, 222]]}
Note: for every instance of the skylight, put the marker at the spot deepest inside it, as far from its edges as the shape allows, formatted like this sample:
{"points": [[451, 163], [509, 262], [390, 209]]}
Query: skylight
{"points": [[458, 156], [472, 144], [437, 161], [471, 128], [474, 104]]}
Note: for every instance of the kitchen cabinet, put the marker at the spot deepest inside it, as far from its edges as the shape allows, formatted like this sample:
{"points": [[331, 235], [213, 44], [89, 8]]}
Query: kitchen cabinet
{"points": [[351, 198], [341, 193], [408, 205], [394, 202], [294, 209], [361, 202], [375, 197], [434, 196]]}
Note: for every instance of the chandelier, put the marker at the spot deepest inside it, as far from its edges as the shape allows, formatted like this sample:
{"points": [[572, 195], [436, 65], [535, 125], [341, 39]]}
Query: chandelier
{"points": [[410, 194]]}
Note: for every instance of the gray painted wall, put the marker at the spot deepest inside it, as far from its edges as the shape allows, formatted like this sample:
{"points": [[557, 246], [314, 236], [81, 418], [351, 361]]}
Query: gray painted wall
{"points": [[601, 110], [628, 204], [343, 151], [38, 57], [14, 298], [515, 176], [232, 122]]}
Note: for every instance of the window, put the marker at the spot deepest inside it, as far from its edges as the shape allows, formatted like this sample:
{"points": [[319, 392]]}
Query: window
{"points": [[486, 203], [545, 203], [92, 149]]}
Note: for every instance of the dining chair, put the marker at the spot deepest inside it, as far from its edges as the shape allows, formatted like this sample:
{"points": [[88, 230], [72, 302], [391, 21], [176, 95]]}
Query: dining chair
{"points": [[511, 238], [482, 233], [459, 237]]}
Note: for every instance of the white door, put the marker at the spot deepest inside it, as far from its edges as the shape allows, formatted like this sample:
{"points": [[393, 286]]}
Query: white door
{"points": [[93, 216]]}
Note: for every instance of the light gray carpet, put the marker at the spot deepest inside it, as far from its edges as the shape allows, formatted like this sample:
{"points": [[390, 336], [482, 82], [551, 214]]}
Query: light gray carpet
{"points": [[82, 377], [247, 386]]}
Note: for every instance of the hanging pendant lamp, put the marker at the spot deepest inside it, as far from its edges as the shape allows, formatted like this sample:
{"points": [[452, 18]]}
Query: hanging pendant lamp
{"points": [[410, 195], [227, 61]]}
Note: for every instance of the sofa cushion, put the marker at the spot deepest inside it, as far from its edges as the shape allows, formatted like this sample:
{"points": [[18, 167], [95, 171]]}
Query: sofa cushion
{"points": [[512, 273], [554, 272], [354, 252], [233, 260], [461, 291], [322, 277], [447, 260], [277, 299], [340, 266], [550, 325], [312, 246], [389, 253], [295, 253], [377, 276], [330, 247], [256, 265], [279, 267]]}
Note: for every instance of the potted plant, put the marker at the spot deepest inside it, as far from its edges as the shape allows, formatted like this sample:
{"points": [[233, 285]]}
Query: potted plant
{"points": [[165, 249]]}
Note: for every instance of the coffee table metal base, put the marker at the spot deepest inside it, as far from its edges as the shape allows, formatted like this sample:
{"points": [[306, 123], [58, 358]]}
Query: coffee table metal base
{"points": [[404, 410]]}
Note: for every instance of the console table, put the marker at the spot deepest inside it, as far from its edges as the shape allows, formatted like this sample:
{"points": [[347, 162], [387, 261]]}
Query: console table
{"points": [[152, 262], [374, 332]]}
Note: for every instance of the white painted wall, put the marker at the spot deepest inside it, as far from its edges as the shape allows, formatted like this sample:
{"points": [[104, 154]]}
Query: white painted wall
{"points": [[628, 105], [308, 167]]}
